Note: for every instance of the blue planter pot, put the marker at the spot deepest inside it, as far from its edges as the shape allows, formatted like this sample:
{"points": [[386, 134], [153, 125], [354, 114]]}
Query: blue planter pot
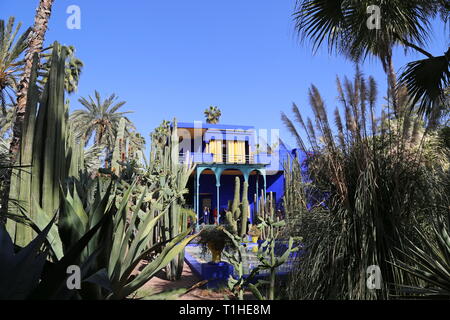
{"points": [[217, 274]]}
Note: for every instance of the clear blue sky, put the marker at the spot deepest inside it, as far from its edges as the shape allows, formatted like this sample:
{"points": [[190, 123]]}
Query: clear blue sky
{"points": [[175, 58]]}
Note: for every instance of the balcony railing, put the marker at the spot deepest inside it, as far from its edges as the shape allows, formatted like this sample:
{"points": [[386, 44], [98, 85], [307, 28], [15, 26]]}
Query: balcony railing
{"points": [[198, 157]]}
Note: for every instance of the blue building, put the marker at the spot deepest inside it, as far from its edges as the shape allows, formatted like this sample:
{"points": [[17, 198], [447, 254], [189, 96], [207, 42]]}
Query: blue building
{"points": [[223, 152]]}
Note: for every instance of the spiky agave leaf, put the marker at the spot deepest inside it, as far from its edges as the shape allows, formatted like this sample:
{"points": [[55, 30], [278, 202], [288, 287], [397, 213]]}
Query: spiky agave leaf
{"points": [[21, 272], [429, 262]]}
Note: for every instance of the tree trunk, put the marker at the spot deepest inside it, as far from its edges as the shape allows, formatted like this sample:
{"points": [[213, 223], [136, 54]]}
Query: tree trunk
{"points": [[393, 84], [35, 44]]}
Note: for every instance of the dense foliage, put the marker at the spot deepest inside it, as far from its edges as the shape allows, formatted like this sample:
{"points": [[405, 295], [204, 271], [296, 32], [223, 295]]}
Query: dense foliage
{"points": [[381, 177]]}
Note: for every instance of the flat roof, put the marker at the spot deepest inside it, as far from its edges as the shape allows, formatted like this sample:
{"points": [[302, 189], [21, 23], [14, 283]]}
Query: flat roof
{"points": [[189, 125]]}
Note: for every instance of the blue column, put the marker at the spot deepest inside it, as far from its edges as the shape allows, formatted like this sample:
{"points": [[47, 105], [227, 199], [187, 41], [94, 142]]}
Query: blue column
{"points": [[218, 173], [196, 195], [265, 186], [194, 191], [257, 196], [246, 173], [218, 201]]}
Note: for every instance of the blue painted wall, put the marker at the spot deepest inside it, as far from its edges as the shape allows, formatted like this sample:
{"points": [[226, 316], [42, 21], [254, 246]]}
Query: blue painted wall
{"points": [[274, 179]]}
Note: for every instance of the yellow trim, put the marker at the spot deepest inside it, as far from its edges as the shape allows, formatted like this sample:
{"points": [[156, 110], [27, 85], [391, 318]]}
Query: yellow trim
{"points": [[216, 149], [240, 147]]}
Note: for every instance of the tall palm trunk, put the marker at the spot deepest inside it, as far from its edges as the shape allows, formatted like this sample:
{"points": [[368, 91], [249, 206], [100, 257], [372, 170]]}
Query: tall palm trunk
{"points": [[35, 44]]}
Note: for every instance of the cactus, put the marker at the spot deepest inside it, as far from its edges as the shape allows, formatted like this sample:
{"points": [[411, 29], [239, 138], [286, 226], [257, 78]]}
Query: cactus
{"points": [[294, 197], [235, 258], [118, 152], [269, 259], [232, 222], [239, 212], [235, 208], [47, 154], [266, 208], [234, 212], [165, 150], [244, 209]]}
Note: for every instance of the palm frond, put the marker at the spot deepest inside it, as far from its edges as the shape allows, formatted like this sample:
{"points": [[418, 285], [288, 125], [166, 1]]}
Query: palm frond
{"points": [[11, 62], [426, 81]]}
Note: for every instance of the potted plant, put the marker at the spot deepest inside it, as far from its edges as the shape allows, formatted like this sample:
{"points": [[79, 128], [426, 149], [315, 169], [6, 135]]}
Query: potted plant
{"points": [[213, 238], [255, 233]]}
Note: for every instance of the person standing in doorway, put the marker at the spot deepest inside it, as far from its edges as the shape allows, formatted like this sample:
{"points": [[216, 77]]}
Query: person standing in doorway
{"points": [[214, 216], [206, 215], [223, 215]]}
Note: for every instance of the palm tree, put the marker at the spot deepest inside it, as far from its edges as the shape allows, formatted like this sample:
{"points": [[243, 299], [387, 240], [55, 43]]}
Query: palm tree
{"points": [[427, 81], [35, 44], [6, 121], [212, 115], [11, 66], [343, 25], [99, 118], [11, 69], [4, 159]]}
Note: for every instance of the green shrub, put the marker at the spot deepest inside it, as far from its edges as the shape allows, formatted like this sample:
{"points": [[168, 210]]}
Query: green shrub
{"points": [[378, 186]]}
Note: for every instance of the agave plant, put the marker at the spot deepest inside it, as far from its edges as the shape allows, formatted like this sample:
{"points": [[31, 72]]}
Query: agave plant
{"points": [[27, 273], [124, 241], [429, 261], [21, 272], [99, 233]]}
